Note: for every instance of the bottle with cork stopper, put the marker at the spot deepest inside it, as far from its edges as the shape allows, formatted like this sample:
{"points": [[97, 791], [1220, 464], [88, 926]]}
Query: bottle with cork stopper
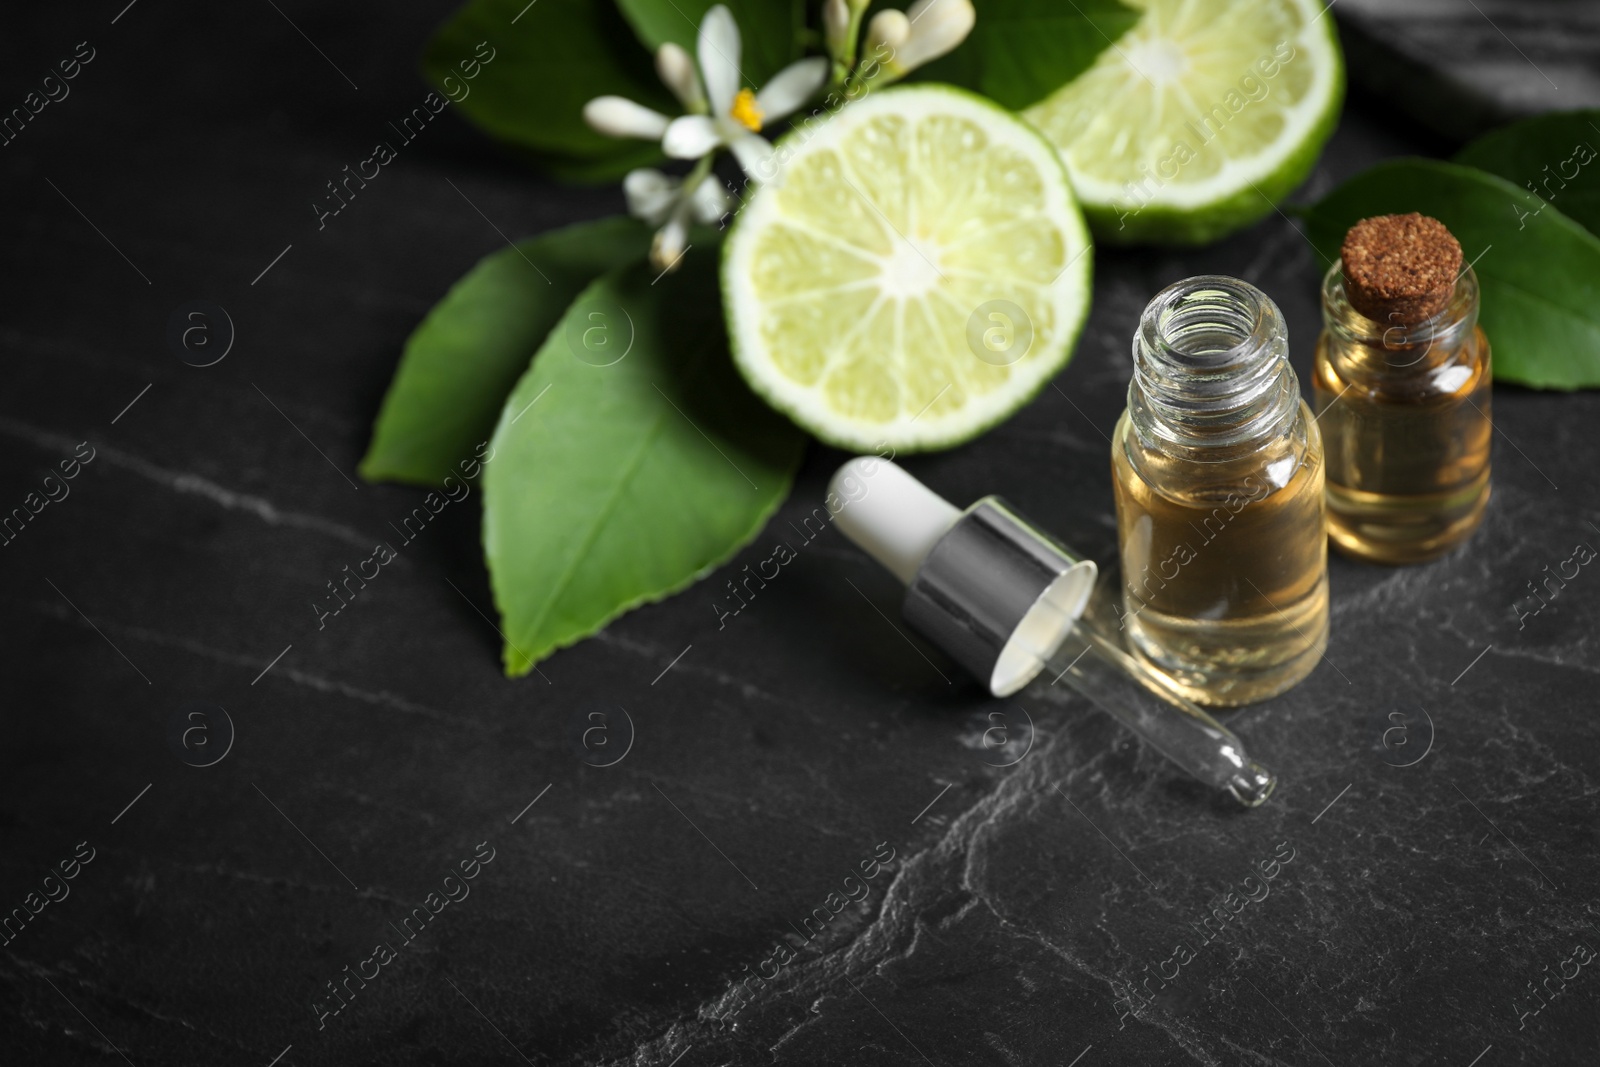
{"points": [[1402, 382]]}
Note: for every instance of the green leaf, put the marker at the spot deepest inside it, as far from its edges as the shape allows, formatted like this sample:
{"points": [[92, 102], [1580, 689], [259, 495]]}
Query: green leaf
{"points": [[468, 353], [1539, 271], [613, 486], [1021, 51], [769, 29], [1553, 156], [544, 62]]}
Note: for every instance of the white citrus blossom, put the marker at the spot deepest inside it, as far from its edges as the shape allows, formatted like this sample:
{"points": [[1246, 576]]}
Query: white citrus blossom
{"points": [[737, 114], [921, 34], [661, 200]]}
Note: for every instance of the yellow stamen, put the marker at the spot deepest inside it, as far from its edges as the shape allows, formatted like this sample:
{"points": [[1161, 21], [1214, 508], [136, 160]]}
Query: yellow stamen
{"points": [[747, 112]]}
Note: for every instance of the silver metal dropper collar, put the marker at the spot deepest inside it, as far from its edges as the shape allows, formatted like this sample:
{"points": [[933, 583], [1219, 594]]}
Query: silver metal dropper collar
{"points": [[990, 589], [998, 595]]}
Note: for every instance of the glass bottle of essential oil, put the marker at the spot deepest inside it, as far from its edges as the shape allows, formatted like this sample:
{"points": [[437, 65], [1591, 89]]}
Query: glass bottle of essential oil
{"points": [[1217, 468], [1402, 382]]}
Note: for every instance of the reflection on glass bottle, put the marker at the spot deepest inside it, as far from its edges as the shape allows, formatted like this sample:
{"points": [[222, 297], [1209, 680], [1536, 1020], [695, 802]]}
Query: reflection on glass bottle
{"points": [[1218, 473]]}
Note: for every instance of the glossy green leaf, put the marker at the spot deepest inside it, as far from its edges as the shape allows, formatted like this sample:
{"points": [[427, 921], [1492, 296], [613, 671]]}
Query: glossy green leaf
{"points": [[1539, 271], [629, 461], [1553, 156], [466, 356], [535, 66], [769, 30], [1021, 51]]}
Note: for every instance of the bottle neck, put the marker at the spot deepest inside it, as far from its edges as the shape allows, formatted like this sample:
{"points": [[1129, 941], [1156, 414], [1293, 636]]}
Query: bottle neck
{"points": [[1393, 350], [1211, 376]]}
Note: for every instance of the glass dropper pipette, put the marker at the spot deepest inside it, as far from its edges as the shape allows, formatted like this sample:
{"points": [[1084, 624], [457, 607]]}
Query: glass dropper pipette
{"points": [[1006, 601]]}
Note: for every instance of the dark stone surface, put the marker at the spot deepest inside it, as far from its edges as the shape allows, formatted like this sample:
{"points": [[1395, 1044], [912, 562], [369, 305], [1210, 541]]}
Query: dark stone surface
{"points": [[768, 762], [1463, 67]]}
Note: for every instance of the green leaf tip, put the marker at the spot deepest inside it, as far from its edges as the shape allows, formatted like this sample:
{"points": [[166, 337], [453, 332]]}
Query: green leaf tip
{"points": [[629, 461], [463, 359]]}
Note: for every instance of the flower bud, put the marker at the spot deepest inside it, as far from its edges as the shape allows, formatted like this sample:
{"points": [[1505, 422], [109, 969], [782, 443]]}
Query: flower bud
{"points": [[666, 250], [886, 33], [934, 28]]}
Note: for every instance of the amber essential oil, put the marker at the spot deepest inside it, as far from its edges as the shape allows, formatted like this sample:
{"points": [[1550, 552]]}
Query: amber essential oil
{"points": [[1402, 394], [1218, 473]]}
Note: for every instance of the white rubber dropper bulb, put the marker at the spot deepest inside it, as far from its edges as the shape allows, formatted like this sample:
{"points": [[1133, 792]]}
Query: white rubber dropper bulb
{"points": [[893, 517]]}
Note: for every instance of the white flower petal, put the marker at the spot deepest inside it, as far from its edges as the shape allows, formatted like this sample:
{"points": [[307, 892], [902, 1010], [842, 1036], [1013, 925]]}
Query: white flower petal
{"points": [[709, 201], [678, 74], [719, 57], [754, 153], [616, 116], [690, 137], [791, 87], [651, 194]]}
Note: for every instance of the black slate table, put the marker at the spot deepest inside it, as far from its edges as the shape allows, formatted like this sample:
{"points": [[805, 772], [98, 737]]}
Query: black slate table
{"points": [[616, 912]]}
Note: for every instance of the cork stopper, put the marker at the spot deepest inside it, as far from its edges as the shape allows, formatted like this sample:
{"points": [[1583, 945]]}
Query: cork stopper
{"points": [[1400, 269]]}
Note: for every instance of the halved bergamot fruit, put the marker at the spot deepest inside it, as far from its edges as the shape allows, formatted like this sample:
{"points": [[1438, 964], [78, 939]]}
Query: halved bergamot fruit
{"points": [[1198, 120], [915, 271]]}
